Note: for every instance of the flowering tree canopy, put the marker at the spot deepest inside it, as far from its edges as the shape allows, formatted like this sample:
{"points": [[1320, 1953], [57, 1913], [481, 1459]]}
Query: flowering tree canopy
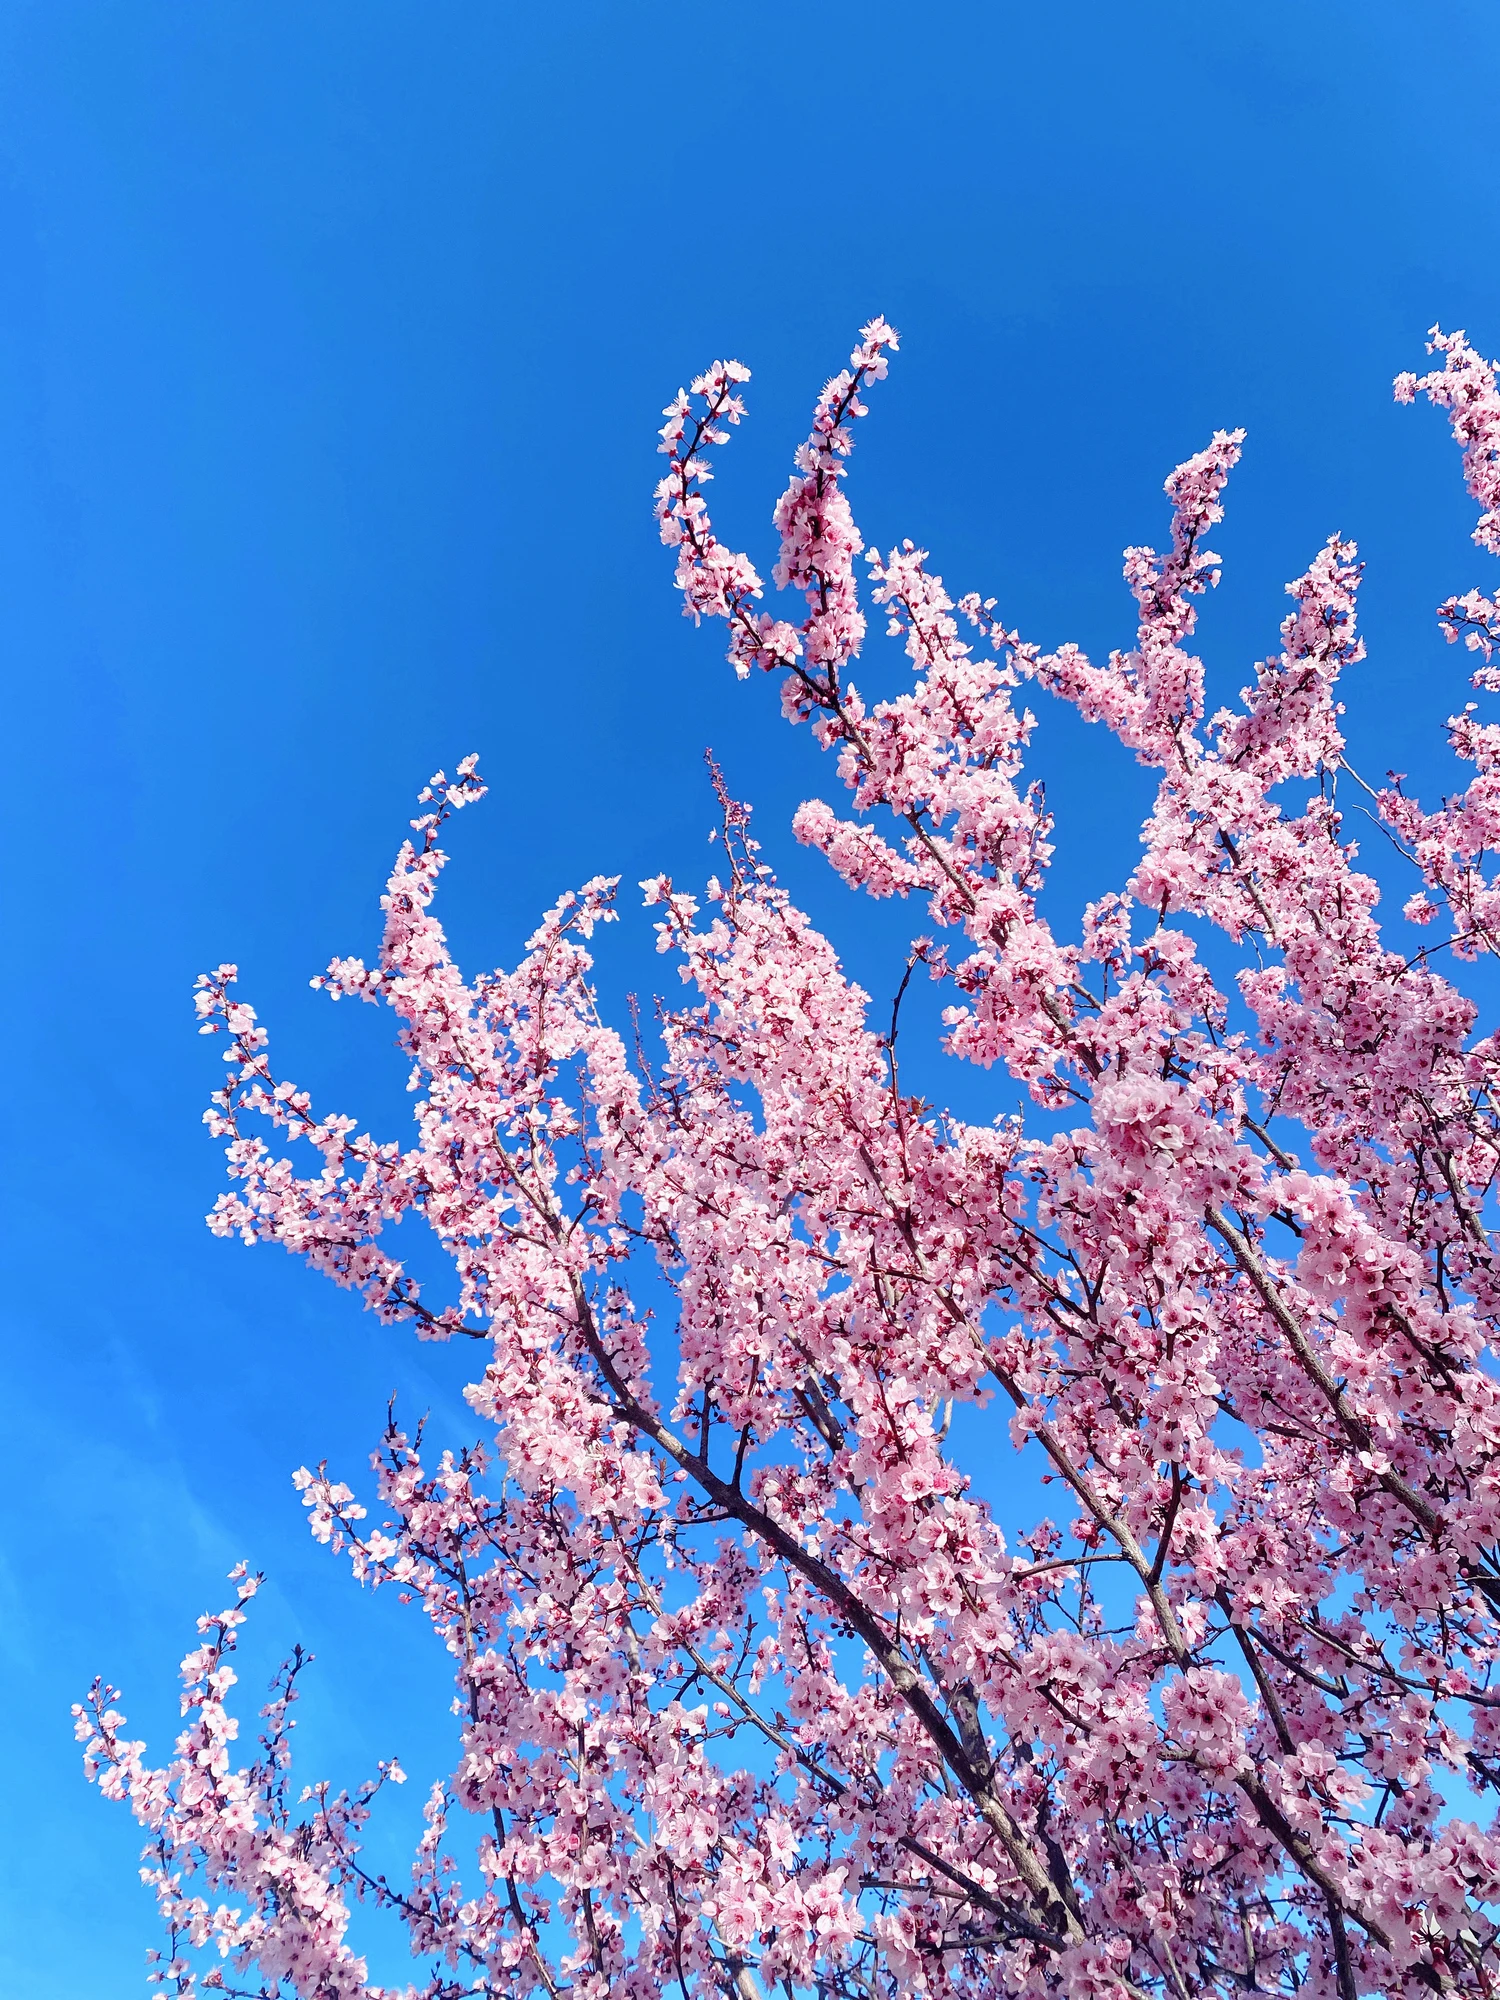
{"points": [[755, 1696]]}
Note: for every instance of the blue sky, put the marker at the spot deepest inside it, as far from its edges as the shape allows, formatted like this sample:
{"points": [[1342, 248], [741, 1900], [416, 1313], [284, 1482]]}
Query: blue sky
{"points": [[332, 345]]}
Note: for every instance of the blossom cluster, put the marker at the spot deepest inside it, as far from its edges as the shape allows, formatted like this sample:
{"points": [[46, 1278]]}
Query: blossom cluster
{"points": [[754, 1695]]}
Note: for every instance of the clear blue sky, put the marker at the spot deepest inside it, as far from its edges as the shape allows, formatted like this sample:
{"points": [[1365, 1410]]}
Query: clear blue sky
{"points": [[332, 341]]}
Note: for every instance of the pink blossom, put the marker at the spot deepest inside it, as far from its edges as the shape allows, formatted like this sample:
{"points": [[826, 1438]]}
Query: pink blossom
{"points": [[751, 1693]]}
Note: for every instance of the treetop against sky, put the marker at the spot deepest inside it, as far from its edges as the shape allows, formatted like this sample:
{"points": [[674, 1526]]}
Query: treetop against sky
{"points": [[333, 352], [727, 1301]]}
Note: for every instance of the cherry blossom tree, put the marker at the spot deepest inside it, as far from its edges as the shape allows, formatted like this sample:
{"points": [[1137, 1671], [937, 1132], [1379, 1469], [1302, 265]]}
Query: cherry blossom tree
{"points": [[754, 1695]]}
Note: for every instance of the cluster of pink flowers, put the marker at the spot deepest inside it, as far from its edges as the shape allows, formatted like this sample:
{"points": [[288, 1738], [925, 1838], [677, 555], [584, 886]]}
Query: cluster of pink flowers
{"points": [[754, 1695]]}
